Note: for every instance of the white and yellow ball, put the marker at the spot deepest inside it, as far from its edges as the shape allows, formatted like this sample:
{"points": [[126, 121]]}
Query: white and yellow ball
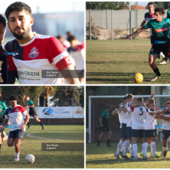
{"points": [[138, 78], [30, 159]]}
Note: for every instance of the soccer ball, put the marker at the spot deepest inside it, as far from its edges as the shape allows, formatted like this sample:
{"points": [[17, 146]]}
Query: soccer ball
{"points": [[138, 78], [30, 158]]}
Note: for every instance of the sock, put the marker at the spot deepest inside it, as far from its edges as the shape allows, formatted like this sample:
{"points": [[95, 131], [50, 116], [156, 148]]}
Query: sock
{"points": [[125, 149], [153, 146], [98, 142], [40, 123], [17, 154], [119, 146], [162, 54], [157, 72], [165, 148], [108, 141], [121, 150], [0, 146], [131, 149], [135, 150], [144, 148], [124, 145], [28, 124]]}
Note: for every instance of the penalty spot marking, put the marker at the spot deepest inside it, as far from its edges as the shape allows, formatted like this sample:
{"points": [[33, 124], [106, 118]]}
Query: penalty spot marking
{"points": [[30, 135]]}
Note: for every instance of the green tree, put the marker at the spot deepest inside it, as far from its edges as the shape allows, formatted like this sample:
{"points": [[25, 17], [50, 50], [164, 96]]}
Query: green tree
{"points": [[165, 5], [106, 5]]}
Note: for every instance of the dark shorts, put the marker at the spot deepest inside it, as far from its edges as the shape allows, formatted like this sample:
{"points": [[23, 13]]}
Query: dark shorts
{"points": [[1, 121], [137, 133], [128, 132], [105, 129], [165, 134], [3, 134], [33, 113], [157, 49], [150, 133], [156, 132], [16, 134], [123, 131], [151, 39]]}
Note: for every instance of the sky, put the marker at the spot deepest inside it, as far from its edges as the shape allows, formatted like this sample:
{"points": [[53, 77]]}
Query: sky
{"points": [[143, 3], [48, 6]]}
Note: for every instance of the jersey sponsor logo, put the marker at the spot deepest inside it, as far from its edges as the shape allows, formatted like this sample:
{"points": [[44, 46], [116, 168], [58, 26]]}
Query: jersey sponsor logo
{"points": [[68, 60], [16, 110], [28, 74], [160, 42], [34, 53], [161, 29]]}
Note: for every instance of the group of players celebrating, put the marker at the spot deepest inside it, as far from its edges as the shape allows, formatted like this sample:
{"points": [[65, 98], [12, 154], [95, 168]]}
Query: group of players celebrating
{"points": [[160, 36], [16, 117], [138, 119]]}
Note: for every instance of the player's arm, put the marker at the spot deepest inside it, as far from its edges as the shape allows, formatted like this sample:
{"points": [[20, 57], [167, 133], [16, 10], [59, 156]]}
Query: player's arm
{"points": [[25, 121], [164, 118], [114, 112], [101, 121], [70, 75], [123, 109], [158, 113], [148, 100], [136, 32], [142, 24]]}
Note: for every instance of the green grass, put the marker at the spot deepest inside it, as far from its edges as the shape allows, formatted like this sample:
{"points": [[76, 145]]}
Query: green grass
{"points": [[46, 159], [115, 62], [103, 157]]}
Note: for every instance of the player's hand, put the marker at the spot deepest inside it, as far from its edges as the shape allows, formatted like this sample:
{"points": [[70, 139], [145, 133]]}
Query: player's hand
{"points": [[153, 94], [22, 127], [1, 127], [101, 125], [128, 37]]}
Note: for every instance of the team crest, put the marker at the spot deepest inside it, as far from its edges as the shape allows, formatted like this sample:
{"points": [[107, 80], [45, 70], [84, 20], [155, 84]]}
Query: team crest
{"points": [[34, 53]]}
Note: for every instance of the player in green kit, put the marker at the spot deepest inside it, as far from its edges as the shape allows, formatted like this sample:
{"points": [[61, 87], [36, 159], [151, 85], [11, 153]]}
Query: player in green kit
{"points": [[161, 33], [32, 112], [104, 123], [3, 136]]}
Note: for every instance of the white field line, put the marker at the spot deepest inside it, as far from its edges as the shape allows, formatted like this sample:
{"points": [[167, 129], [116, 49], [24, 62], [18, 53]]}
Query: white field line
{"points": [[30, 135]]}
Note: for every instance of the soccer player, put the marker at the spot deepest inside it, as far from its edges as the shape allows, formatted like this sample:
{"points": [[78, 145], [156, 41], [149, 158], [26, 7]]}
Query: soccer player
{"points": [[160, 30], [11, 67], [64, 42], [35, 53], [15, 114], [3, 136], [165, 129], [32, 112], [147, 17], [122, 126], [104, 123]]}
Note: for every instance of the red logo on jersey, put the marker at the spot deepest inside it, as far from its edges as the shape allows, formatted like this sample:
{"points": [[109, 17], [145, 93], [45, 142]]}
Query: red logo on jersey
{"points": [[34, 53], [68, 60], [161, 29]]}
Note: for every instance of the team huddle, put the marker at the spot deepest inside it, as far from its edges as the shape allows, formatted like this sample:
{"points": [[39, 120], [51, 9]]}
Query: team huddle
{"points": [[16, 117], [138, 119]]}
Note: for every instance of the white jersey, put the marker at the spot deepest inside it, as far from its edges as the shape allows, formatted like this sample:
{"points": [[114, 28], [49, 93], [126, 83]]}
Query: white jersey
{"points": [[138, 117], [150, 121], [16, 116], [166, 123], [121, 116], [129, 123]]}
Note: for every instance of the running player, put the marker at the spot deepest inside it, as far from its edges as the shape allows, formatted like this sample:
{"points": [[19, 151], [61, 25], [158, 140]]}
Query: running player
{"points": [[15, 114], [32, 112], [147, 17], [122, 126], [104, 123], [160, 30], [35, 53], [3, 136]]}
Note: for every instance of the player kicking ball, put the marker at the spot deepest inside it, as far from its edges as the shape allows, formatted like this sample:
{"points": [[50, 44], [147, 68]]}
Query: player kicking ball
{"points": [[160, 30], [32, 112], [15, 115]]}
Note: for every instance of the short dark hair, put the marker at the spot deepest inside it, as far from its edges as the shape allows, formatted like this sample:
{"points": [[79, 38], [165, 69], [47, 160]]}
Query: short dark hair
{"points": [[150, 3], [108, 107], [168, 102], [140, 99], [160, 10], [124, 98], [13, 98], [68, 33], [17, 6], [59, 36], [71, 38], [3, 20]]}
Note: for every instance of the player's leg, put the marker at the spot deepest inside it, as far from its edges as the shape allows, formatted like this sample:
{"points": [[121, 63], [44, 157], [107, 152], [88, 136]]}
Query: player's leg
{"points": [[142, 141], [28, 123], [165, 60], [135, 147], [103, 130], [19, 137], [36, 118], [109, 137], [152, 58], [165, 136]]}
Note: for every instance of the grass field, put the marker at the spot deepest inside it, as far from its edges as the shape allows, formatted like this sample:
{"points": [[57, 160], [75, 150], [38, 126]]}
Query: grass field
{"points": [[32, 144], [103, 157], [110, 62]]}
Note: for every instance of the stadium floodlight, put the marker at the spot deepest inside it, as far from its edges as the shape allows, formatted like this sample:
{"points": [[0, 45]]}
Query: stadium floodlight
{"points": [[113, 96]]}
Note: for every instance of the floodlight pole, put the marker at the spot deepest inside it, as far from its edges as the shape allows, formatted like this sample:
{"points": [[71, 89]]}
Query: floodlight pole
{"points": [[90, 21], [112, 23], [130, 20]]}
